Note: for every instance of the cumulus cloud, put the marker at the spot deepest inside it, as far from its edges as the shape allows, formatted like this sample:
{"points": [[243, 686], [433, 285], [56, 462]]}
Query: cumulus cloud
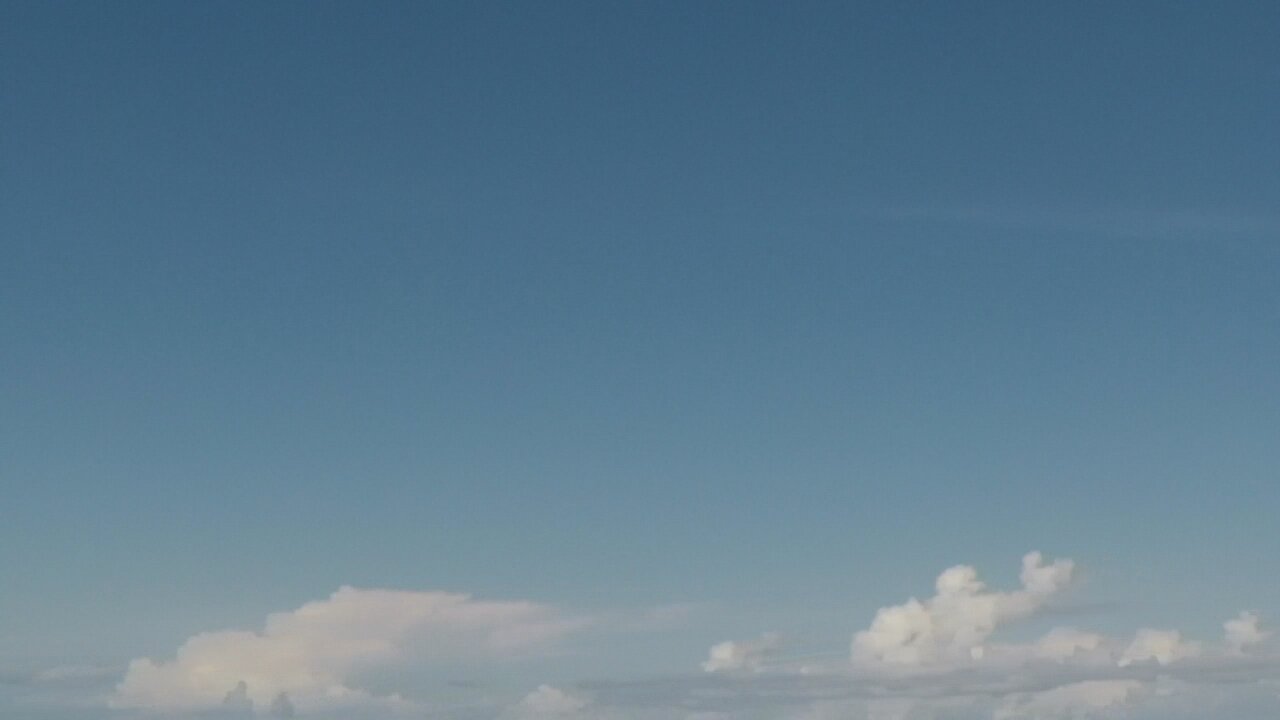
{"points": [[1161, 646], [939, 658], [1243, 631], [960, 617], [741, 656], [309, 657]]}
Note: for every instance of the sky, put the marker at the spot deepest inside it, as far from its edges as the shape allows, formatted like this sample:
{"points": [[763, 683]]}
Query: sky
{"points": [[511, 361]]}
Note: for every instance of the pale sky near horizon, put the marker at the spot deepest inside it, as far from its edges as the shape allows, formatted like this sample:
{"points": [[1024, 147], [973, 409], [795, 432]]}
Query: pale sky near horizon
{"points": [[649, 326]]}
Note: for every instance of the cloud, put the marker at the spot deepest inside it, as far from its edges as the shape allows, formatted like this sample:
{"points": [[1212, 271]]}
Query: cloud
{"points": [[311, 656], [960, 617], [741, 656], [546, 702], [237, 699], [1162, 646], [940, 658], [1069, 702], [1062, 644], [282, 706], [1243, 631]]}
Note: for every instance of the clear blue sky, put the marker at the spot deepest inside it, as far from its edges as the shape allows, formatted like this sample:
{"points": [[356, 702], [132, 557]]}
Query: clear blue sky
{"points": [[780, 306]]}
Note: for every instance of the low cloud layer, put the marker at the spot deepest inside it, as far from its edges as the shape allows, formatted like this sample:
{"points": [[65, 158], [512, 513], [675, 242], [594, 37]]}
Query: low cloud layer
{"points": [[940, 658], [943, 657]]}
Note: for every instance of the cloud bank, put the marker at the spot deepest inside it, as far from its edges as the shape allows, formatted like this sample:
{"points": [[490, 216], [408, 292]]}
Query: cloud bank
{"points": [[938, 658]]}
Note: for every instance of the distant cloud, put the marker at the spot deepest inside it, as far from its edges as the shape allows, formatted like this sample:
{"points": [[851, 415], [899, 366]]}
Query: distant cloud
{"points": [[1074, 700], [1244, 631], [308, 657], [1062, 644], [546, 703], [922, 660], [940, 657], [954, 623], [742, 656], [1161, 646]]}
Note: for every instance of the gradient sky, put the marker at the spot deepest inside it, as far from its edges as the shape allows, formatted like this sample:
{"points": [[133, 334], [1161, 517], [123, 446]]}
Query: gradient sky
{"points": [[776, 308]]}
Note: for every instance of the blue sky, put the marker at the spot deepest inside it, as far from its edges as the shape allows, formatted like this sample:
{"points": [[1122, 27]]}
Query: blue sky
{"points": [[765, 312]]}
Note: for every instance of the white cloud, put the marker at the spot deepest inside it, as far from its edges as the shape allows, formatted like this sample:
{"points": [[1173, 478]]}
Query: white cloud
{"points": [[940, 658], [1063, 644], [310, 656], [1074, 701], [1243, 631], [1162, 646], [741, 656], [960, 617], [936, 658], [546, 702]]}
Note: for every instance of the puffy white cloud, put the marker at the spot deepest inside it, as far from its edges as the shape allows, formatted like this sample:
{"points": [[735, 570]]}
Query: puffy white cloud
{"points": [[935, 658], [308, 657], [1243, 631], [742, 656], [1162, 646], [960, 617]]}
